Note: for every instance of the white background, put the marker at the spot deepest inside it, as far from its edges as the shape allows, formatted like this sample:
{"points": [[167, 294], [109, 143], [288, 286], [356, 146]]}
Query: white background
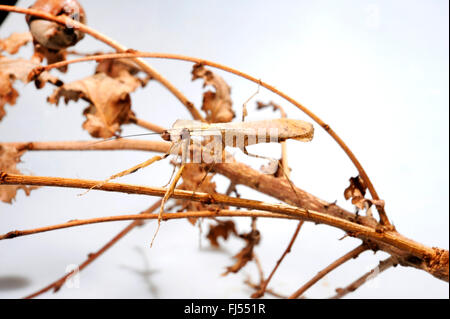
{"points": [[375, 71]]}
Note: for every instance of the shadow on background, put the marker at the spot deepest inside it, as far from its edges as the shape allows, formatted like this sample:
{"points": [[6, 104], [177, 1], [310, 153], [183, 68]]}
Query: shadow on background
{"points": [[13, 282]]}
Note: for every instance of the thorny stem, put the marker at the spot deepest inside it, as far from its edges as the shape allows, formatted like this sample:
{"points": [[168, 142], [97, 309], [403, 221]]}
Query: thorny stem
{"points": [[238, 173], [382, 266], [383, 217], [363, 232], [434, 260], [117, 46], [351, 254], [56, 285], [263, 287]]}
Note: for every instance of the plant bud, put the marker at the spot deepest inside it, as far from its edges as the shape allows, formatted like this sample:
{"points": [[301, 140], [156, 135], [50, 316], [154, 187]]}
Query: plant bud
{"points": [[52, 35]]}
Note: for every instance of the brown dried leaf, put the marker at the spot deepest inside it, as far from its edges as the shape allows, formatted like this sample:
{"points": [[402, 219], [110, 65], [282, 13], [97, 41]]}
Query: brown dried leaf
{"points": [[9, 157], [15, 41], [246, 254], [223, 229], [124, 70], [217, 105], [59, 7], [50, 34], [261, 105], [50, 39], [356, 191], [110, 98], [18, 69], [53, 56], [7, 93]]}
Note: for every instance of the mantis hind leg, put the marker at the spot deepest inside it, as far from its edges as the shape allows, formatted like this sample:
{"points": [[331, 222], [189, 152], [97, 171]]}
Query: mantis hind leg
{"points": [[166, 197], [173, 172]]}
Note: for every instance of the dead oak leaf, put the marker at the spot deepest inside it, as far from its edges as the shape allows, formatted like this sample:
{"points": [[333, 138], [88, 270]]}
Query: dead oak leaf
{"points": [[8, 94], [18, 69], [9, 158], [110, 102], [223, 229], [15, 41], [217, 105], [246, 254]]}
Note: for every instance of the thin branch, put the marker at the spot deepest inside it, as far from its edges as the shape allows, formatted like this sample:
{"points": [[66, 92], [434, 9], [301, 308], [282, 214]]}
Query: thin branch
{"points": [[383, 217], [146, 125], [164, 217], [258, 267], [263, 286], [94, 145], [268, 290], [117, 46], [350, 255], [56, 285], [382, 266]]}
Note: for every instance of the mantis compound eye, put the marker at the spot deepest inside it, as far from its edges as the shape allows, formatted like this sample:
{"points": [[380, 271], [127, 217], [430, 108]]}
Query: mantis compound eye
{"points": [[185, 134]]}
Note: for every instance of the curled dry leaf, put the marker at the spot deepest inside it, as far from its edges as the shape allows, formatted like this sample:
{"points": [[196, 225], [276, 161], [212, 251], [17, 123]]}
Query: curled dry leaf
{"points": [[110, 102], [356, 191], [15, 41], [50, 38], [195, 179], [217, 105], [52, 35], [53, 56], [261, 105], [8, 94], [18, 69], [223, 229], [246, 254], [125, 70], [9, 157]]}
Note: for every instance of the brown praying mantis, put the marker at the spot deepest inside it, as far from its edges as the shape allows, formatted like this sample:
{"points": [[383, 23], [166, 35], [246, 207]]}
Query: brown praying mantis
{"points": [[218, 136]]}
